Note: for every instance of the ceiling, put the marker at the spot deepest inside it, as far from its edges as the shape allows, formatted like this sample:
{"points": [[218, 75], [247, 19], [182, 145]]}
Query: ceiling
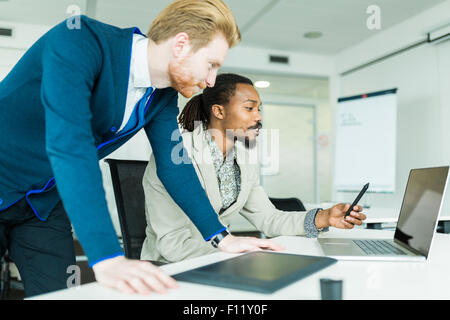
{"points": [[264, 23], [291, 86]]}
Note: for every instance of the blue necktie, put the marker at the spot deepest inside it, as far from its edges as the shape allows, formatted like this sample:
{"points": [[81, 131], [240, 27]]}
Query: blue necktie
{"points": [[138, 108]]}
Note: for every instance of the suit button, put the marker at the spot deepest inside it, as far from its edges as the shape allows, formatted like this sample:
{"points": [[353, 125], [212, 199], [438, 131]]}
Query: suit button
{"points": [[113, 129]]}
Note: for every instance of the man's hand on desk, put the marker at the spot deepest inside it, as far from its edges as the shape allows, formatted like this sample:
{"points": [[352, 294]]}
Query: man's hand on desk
{"points": [[234, 244], [334, 216], [132, 276]]}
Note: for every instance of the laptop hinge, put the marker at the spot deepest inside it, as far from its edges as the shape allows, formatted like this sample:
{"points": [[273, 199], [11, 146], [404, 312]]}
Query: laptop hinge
{"points": [[404, 246]]}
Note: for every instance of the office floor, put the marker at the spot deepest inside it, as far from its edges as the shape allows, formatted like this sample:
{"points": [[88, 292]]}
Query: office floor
{"points": [[16, 291]]}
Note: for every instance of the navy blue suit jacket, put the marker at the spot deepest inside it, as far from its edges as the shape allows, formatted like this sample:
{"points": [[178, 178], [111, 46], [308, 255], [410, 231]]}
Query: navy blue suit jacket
{"points": [[59, 110]]}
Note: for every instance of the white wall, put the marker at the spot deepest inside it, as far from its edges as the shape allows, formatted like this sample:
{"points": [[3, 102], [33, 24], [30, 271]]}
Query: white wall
{"points": [[292, 154], [399, 36], [422, 76], [24, 35], [12, 48], [8, 58], [324, 147]]}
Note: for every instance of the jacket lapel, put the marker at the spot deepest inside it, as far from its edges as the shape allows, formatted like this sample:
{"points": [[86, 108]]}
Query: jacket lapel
{"points": [[120, 69], [202, 158], [242, 158]]}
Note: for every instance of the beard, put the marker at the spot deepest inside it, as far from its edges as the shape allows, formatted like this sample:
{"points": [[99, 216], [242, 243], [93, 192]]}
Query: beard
{"points": [[182, 80], [249, 142]]}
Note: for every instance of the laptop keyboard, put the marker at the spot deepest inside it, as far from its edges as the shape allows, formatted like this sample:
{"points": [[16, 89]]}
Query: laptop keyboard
{"points": [[378, 247]]}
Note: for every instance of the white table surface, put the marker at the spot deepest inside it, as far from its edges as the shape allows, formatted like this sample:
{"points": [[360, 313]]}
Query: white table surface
{"points": [[378, 214], [374, 215], [361, 279]]}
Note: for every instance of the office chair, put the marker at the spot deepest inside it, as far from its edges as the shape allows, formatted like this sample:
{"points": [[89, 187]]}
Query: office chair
{"points": [[8, 283], [126, 178], [4, 277], [285, 204], [288, 204]]}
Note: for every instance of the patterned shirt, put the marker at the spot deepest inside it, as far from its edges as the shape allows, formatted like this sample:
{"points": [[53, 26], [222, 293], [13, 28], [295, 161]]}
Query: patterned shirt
{"points": [[227, 171], [229, 180]]}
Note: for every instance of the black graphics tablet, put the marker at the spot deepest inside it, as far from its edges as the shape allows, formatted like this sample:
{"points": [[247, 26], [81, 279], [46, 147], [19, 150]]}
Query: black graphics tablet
{"points": [[261, 271]]}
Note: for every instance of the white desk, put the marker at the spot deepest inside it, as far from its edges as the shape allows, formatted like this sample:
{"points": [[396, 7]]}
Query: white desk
{"points": [[376, 216], [362, 280]]}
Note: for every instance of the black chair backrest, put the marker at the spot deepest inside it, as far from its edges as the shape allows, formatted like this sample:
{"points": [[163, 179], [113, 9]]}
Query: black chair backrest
{"points": [[288, 204], [130, 201]]}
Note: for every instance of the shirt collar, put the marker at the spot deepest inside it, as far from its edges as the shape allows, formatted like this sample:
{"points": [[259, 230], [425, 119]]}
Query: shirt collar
{"points": [[141, 76], [216, 153]]}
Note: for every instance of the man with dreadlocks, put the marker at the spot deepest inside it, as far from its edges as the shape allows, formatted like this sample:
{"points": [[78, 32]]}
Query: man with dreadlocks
{"points": [[220, 129]]}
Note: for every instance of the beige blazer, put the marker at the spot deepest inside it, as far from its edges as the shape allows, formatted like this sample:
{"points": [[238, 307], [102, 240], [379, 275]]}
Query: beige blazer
{"points": [[170, 234]]}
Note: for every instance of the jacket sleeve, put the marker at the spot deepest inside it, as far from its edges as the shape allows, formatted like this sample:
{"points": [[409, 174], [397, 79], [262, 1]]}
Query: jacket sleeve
{"points": [[265, 217], [71, 60], [180, 179], [170, 232]]}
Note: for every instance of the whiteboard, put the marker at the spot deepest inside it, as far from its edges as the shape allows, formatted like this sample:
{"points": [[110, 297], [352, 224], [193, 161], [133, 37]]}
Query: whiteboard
{"points": [[365, 146]]}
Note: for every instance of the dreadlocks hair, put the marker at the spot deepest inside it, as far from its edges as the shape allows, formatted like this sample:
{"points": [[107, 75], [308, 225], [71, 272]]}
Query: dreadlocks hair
{"points": [[199, 107]]}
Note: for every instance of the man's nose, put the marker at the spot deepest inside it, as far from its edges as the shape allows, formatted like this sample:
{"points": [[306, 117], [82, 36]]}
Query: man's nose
{"points": [[211, 79], [258, 116]]}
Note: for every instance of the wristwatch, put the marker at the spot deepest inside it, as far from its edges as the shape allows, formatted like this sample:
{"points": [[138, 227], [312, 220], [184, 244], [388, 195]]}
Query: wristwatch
{"points": [[219, 237]]}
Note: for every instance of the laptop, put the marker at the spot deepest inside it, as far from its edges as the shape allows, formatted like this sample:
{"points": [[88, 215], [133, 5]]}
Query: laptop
{"points": [[416, 225]]}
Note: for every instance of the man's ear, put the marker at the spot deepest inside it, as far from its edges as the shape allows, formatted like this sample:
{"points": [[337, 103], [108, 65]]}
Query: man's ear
{"points": [[218, 111], [181, 45]]}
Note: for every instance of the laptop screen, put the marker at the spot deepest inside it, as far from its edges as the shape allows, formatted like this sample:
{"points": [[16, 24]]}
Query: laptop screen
{"points": [[420, 208]]}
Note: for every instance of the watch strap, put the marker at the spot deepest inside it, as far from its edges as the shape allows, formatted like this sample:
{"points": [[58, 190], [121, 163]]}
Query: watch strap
{"points": [[219, 237]]}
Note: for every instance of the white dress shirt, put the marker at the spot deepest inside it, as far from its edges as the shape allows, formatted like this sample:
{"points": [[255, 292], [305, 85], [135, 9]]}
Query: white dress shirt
{"points": [[139, 79]]}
